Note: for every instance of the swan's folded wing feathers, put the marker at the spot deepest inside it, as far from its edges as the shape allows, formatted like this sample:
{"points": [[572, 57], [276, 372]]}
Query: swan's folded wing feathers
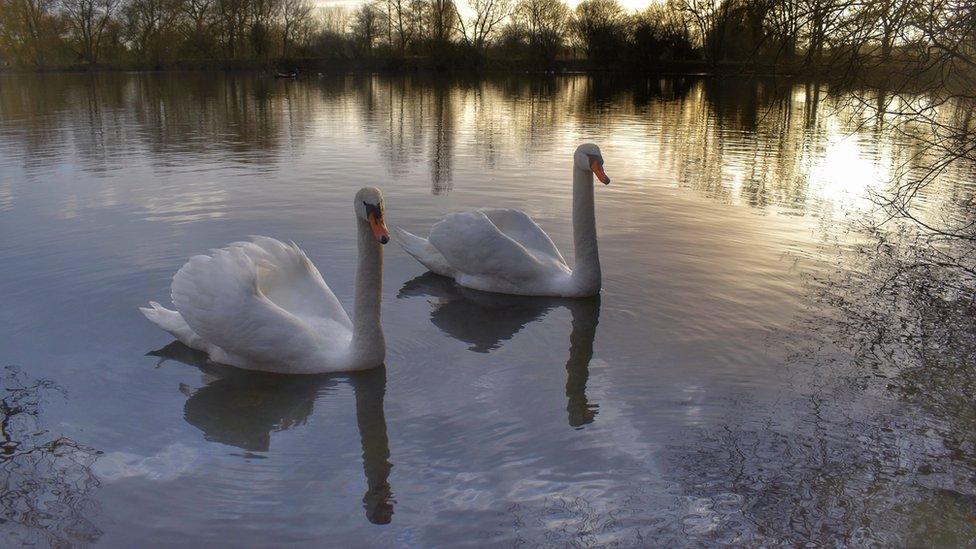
{"points": [[219, 298], [473, 245], [524, 230], [291, 281], [422, 250]]}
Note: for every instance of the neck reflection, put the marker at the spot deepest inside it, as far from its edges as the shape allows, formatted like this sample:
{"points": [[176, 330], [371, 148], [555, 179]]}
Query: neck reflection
{"points": [[586, 316], [242, 408], [484, 320]]}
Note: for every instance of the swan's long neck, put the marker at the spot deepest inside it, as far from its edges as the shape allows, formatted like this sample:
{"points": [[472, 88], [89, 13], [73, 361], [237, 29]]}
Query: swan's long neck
{"points": [[368, 344], [586, 272]]}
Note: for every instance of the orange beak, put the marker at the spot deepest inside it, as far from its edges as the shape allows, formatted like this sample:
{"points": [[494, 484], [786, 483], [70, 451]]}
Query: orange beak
{"points": [[598, 171], [380, 232]]}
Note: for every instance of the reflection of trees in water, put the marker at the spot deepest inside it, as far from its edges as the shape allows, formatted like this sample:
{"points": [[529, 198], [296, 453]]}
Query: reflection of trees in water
{"points": [[99, 136], [181, 113], [836, 483], [877, 444], [737, 140], [748, 140], [484, 320], [441, 151], [45, 484], [27, 116], [812, 95], [900, 314], [411, 117], [751, 139], [241, 408]]}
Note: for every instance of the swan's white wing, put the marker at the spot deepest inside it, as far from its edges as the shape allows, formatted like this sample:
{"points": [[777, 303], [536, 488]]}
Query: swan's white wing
{"points": [[473, 245], [422, 250], [220, 299], [522, 229], [288, 278]]}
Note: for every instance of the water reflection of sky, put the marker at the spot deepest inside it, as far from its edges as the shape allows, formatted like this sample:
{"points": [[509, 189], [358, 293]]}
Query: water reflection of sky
{"points": [[732, 202]]}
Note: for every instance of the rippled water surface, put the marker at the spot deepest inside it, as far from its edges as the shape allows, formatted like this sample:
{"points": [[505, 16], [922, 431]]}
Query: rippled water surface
{"points": [[746, 375]]}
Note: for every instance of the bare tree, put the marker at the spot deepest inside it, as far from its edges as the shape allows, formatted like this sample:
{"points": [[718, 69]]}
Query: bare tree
{"points": [[295, 14], [478, 31], [821, 18], [441, 17], [599, 28], [417, 21], [233, 17], [331, 35], [783, 24], [87, 21], [147, 21], [659, 32], [544, 23], [400, 29], [198, 16], [885, 21], [703, 15], [334, 19], [365, 28], [262, 14], [25, 28]]}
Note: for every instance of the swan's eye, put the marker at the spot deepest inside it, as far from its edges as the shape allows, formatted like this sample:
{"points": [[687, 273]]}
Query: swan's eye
{"points": [[373, 209], [374, 215]]}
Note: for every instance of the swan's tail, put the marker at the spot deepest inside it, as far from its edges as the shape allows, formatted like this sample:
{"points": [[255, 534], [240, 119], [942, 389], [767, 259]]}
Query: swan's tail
{"points": [[173, 322], [422, 250]]}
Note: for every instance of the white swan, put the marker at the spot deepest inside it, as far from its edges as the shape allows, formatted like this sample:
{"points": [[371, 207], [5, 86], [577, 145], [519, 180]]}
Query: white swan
{"points": [[262, 305], [504, 251]]}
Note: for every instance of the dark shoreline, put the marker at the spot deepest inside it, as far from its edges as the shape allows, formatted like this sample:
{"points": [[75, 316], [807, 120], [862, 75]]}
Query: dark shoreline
{"points": [[429, 65], [878, 76]]}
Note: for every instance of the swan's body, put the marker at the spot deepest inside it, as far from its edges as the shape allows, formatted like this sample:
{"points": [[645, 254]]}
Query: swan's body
{"points": [[505, 251], [262, 305]]}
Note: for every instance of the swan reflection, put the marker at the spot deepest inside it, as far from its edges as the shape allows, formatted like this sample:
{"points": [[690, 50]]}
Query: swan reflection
{"points": [[483, 320], [242, 408]]}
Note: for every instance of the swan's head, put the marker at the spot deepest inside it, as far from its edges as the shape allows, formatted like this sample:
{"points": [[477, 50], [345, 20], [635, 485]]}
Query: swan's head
{"points": [[369, 208], [589, 157]]}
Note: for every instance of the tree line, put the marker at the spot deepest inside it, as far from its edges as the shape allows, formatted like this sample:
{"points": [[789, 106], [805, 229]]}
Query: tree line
{"points": [[537, 33]]}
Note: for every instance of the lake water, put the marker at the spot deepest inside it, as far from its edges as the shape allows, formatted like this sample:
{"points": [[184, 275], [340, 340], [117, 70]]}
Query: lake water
{"points": [[748, 375]]}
